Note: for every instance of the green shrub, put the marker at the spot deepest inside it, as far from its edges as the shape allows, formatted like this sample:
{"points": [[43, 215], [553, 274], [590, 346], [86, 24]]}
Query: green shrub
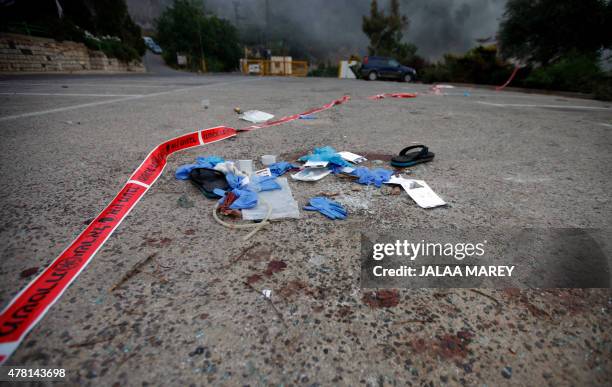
{"points": [[185, 28], [603, 88], [479, 65], [113, 49], [572, 73], [437, 72]]}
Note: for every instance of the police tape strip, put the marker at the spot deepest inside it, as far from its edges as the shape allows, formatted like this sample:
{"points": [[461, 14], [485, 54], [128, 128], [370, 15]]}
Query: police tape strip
{"points": [[393, 95], [296, 116], [501, 87], [30, 305]]}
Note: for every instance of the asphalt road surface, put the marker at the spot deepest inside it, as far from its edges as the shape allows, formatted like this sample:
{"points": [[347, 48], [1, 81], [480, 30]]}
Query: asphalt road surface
{"points": [[69, 142]]}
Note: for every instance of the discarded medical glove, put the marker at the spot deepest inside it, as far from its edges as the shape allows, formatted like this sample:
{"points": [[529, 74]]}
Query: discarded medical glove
{"points": [[336, 169], [182, 172], [326, 153], [214, 160], [327, 207], [280, 168], [263, 183], [245, 198], [235, 181], [375, 176]]}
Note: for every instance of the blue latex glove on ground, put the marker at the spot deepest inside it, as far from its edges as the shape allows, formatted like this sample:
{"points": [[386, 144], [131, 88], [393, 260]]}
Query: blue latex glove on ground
{"points": [[246, 199], [375, 176], [214, 160], [234, 181], [326, 153], [182, 172], [336, 169], [327, 207], [221, 193], [279, 169], [263, 183]]}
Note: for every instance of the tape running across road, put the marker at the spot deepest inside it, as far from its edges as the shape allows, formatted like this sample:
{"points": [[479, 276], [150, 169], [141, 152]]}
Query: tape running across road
{"points": [[32, 303], [512, 75], [393, 95], [297, 116]]}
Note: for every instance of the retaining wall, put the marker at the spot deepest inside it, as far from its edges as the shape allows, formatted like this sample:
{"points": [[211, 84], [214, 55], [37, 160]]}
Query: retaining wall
{"points": [[22, 53]]}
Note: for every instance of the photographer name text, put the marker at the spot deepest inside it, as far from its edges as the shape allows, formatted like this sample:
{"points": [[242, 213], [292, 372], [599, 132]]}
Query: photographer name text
{"points": [[444, 271]]}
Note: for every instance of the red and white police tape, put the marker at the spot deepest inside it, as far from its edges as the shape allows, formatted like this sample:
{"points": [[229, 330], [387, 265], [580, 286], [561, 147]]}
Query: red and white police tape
{"points": [[512, 75], [33, 302], [393, 95]]}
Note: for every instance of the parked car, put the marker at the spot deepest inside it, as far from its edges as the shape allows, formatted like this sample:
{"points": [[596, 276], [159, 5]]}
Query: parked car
{"points": [[150, 43], [156, 49], [375, 67]]}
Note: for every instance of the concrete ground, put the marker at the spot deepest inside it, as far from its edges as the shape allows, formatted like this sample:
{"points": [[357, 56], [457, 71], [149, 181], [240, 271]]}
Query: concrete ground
{"points": [[68, 143]]}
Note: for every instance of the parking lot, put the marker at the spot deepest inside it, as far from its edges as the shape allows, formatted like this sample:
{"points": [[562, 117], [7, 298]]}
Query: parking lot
{"points": [[69, 143]]}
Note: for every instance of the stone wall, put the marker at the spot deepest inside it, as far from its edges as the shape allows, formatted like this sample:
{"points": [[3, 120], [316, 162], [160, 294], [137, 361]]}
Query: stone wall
{"points": [[22, 53]]}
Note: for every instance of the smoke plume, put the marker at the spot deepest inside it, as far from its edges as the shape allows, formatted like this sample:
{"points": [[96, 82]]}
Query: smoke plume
{"points": [[324, 29]]}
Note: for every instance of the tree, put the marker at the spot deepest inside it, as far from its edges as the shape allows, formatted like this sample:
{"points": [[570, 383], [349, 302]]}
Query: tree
{"points": [[184, 28], [111, 17], [386, 33], [544, 31]]}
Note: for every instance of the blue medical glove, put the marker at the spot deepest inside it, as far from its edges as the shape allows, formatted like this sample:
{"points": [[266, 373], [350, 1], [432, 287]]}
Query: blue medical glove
{"points": [[381, 175], [212, 160], [326, 153], [278, 169], [221, 193], [182, 172], [336, 169], [376, 176], [234, 181], [327, 207], [246, 199], [263, 183]]}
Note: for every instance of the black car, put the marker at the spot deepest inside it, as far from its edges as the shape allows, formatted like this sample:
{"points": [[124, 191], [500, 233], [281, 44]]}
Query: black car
{"points": [[375, 67]]}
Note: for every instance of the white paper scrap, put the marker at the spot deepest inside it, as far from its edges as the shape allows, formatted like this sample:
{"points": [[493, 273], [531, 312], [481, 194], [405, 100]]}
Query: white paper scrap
{"points": [[419, 191], [352, 157], [267, 293], [311, 174], [422, 194], [316, 164], [264, 172], [256, 116], [394, 179]]}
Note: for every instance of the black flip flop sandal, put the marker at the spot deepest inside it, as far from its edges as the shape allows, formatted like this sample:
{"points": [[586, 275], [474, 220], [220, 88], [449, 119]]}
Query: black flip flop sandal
{"points": [[207, 180], [406, 159]]}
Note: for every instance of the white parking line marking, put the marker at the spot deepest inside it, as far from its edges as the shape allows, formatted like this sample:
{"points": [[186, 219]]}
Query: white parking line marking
{"points": [[74, 94], [109, 101], [544, 106], [604, 124], [70, 84]]}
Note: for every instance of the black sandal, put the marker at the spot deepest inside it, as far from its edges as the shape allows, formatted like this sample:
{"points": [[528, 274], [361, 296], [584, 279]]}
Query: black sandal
{"points": [[409, 159], [207, 180]]}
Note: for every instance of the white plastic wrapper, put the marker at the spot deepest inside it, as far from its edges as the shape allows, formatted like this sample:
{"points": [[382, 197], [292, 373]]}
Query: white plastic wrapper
{"points": [[256, 116], [311, 174]]}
